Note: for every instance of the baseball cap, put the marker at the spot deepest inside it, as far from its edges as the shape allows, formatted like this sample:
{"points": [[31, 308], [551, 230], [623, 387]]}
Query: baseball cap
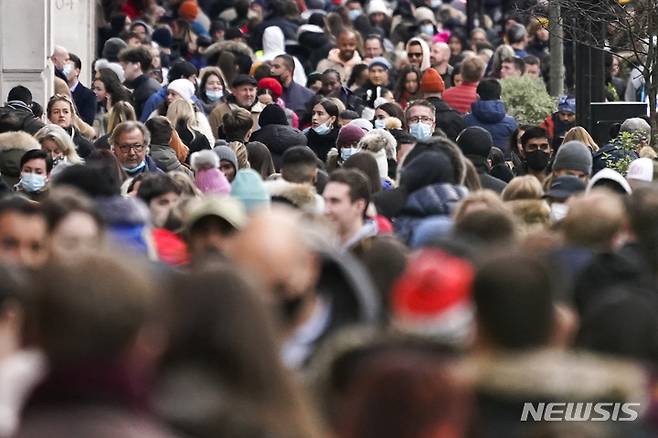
{"points": [[223, 207]]}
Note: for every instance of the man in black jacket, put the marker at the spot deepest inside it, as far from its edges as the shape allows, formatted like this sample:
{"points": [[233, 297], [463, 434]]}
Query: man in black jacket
{"points": [[17, 115], [84, 98], [136, 62], [476, 143]]}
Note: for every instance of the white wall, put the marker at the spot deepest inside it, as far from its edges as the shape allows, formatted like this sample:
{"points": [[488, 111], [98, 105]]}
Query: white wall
{"points": [[74, 27]]}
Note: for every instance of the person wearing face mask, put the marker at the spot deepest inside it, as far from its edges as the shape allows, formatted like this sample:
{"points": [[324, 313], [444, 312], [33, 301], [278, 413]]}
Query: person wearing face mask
{"points": [[426, 22], [535, 153], [130, 143], [35, 169], [561, 189], [421, 119], [346, 146], [211, 88], [324, 128]]}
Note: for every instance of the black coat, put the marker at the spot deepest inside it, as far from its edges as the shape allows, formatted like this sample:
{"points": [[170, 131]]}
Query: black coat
{"points": [[143, 87], [83, 146], [26, 121], [447, 119], [85, 102], [279, 138], [322, 144]]}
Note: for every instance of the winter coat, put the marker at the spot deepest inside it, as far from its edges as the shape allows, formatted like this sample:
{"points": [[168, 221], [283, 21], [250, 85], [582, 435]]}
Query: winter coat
{"points": [[127, 220], [461, 97], [13, 146], [322, 144], [274, 45], [608, 155], [491, 115], [447, 119], [143, 87], [315, 41], [194, 140], [430, 201], [279, 138], [83, 146], [344, 68], [296, 97], [301, 196], [166, 160], [26, 120]]}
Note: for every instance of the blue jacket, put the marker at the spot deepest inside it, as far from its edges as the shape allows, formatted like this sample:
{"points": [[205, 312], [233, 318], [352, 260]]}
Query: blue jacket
{"points": [[491, 115], [429, 202], [155, 101]]}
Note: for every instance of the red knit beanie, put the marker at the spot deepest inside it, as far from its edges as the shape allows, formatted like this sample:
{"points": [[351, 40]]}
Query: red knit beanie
{"points": [[188, 10], [433, 297], [273, 85], [431, 82]]}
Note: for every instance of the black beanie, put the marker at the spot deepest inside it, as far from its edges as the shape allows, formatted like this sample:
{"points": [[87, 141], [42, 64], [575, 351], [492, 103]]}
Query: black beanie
{"points": [[476, 141], [21, 93], [426, 169], [272, 114]]}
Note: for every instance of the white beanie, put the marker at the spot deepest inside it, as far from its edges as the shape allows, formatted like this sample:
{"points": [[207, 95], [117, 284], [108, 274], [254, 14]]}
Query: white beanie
{"points": [[183, 87], [378, 6]]}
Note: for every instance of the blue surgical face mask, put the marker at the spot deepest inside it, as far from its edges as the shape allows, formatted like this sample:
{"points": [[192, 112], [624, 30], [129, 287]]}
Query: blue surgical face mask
{"points": [[31, 182], [67, 69], [420, 130], [354, 13], [380, 123], [427, 29], [322, 129], [214, 95], [135, 169], [436, 3], [345, 153]]}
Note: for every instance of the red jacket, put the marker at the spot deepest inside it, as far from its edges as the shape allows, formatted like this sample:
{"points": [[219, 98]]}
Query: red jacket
{"points": [[461, 97]]}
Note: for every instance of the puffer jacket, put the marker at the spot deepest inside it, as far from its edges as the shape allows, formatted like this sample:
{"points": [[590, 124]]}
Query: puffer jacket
{"points": [[491, 115], [430, 201], [279, 138]]}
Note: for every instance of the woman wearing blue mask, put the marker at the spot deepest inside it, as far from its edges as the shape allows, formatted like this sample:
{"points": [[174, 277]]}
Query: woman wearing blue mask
{"points": [[211, 88], [35, 169], [324, 128]]}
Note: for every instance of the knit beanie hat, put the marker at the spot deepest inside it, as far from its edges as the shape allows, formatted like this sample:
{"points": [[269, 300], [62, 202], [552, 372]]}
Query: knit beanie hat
{"points": [[188, 10], [349, 135], [475, 140], [112, 47], [432, 167], [431, 82], [163, 37], [641, 170], [226, 153], [273, 85], [432, 297], [273, 114], [212, 181], [573, 155], [183, 87], [249, 189]]}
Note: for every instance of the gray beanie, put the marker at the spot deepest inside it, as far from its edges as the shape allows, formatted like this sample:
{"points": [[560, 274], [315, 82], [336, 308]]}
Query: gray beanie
{"points": [[112, 48], [226, 153], [573, 155]]}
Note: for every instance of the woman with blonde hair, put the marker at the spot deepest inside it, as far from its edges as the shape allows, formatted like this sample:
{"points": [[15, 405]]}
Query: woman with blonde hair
{"points": [[580, 134], [120, 112], [58, 144], [524, 197], [182, 116], [61, 112]]}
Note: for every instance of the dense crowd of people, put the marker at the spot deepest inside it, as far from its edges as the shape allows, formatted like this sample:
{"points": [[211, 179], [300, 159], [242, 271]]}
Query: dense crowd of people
{"points": [[307, 218]]}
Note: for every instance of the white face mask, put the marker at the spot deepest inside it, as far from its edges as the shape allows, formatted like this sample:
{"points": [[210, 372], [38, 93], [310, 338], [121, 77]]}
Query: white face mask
{"points": [[67, 69], [558, 211], [214, 95], [427, 29], [380, 124]]}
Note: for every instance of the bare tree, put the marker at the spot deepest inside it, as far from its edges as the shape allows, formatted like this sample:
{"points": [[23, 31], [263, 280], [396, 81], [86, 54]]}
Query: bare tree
{"points": [[627, 29]]}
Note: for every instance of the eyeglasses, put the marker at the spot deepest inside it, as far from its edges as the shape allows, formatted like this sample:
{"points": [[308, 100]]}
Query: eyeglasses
{"points": [[414, 54], [423, 119], [125, 148]]}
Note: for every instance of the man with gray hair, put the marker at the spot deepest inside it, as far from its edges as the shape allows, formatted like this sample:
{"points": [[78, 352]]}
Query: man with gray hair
{"points": [[613, 152], [130, 144]]}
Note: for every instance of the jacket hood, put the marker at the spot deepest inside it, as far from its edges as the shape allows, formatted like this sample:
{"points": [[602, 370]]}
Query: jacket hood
{"points": [[489, 111], [117, 210], [164, 157], [232, 46], [302, 196], [608, 174], [17, 140], [558, 375], [425, 64], [434, 200], [273, 42]]}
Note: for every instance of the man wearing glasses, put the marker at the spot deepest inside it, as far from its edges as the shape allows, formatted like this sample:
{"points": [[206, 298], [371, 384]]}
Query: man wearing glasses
{"points": [[130, 144]]}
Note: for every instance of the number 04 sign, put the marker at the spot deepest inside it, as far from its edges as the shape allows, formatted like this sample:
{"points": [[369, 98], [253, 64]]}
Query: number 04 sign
{"points": [[64, 4]]}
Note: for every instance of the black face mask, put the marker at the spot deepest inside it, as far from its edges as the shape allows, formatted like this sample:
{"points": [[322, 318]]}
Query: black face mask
{"points": [[537, 160], [289, 308]]}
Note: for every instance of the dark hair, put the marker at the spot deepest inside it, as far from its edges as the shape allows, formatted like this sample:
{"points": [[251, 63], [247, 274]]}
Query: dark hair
{"points": [[514, 307], [331, 71], [488, 227], [331, 109], [95, 179], [374, 36], [236, 124], [204, 79], [367, 164], [533, 132], [288, 60], [513, 138], [20, 205], [299, 164], [519, 64], [63, 201], [161, 129], [140, 55], [489, 89], [113, 86], [456, 70], [313, 77], [394, 110], [76, 61], [181, 69], [531, 60], [354, 75], [402, 79], [357, 181], [156, 184], [37, 154], [21, 93]]}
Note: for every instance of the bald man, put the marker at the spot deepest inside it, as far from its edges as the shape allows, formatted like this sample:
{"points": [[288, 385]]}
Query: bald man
{"points": [[59, 57], [344, 57], [439, 57]]}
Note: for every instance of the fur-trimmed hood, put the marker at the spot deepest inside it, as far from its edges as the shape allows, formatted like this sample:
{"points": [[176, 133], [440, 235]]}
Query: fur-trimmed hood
{"points": [[530, 211], [204, 160], [232, 46], [302, 196], [379, 139], [17, 140]]}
